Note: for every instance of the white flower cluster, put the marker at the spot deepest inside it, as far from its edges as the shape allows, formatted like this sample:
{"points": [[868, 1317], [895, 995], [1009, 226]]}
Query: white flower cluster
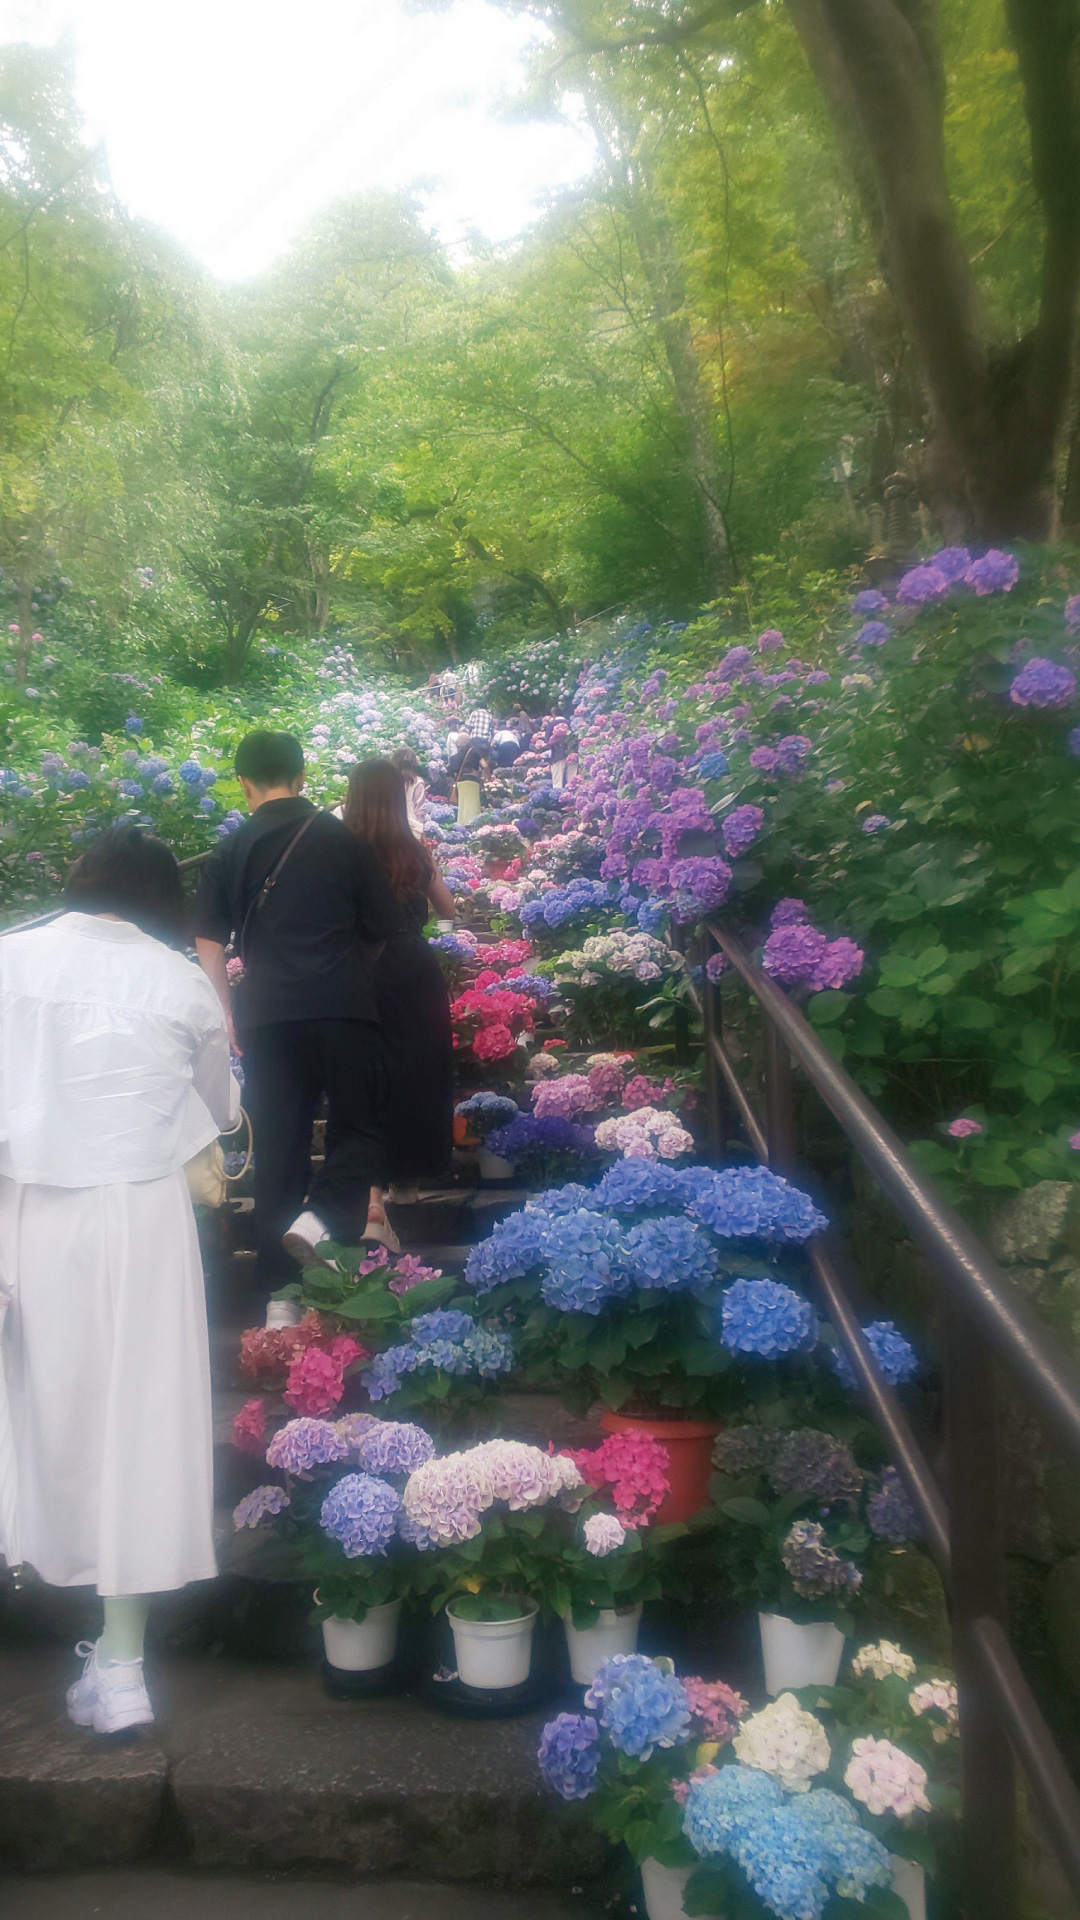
{"points": [[445, 1498], [649, 1133], [619, 952], [786, 1741], [882, 1658], [937, 1696]]}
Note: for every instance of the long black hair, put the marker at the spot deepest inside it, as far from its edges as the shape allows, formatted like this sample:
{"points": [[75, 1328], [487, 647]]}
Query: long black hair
{"points": [[133, 874]]}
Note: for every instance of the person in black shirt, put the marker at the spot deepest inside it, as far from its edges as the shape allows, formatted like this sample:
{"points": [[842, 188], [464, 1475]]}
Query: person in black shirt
{"points": [[307, 905]]}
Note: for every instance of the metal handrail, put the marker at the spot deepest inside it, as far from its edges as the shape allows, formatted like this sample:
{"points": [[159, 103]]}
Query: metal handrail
{"points": [[985, 1319], [44, 919]]}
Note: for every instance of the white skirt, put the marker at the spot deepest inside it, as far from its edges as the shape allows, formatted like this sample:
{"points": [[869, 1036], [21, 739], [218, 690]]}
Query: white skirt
{"points": [[106, 1444]]}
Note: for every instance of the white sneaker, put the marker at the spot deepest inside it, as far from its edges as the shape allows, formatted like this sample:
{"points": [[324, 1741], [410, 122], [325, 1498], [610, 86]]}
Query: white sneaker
{"points": [[283, 1313], [111, 1698], [304, 1237], [378, 1228]]}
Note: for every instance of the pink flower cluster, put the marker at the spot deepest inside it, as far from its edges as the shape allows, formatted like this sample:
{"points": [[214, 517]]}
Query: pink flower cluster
{"points": [[445, 1498], [635, 1467], [410, 1272], [885, 1779], [643, 1092], [647, 1134], [249, 1427], [717, 1705], [490, 1022], [316, 1379]]}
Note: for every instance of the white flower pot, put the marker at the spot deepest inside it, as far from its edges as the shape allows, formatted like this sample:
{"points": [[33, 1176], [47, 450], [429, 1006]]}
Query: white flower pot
{"points": [[664, 1888], [615, 1630], [359, 1646], [494, 1653], [493, 1166], [909, 1884], [795, 1656]]}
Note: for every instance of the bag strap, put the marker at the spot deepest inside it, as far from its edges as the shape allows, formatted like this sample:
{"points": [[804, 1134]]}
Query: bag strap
{"points": [[272, 879]]}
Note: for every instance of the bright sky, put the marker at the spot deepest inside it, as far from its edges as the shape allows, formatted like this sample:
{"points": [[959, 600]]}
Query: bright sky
{"points": [[231, 122]]}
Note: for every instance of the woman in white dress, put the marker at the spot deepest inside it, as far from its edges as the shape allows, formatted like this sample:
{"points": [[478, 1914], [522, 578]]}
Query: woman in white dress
{"points": [[114, 1072]]}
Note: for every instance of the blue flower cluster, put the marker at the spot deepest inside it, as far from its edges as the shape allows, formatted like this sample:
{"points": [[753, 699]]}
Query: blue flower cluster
{"points": [[450, 944], [670, 1253], [565, 1199], [896, 1357], [766, 1318], [795, 1851], [394, 1446], [527, 1136], [890, 1513], [531, 983], [361, 1514], [750, 1203], [632, 1185], [569, 1755], [639, 1704], [488, 1110], [511, 1251], [440, 1342], [578, 900], [585, 1261]]}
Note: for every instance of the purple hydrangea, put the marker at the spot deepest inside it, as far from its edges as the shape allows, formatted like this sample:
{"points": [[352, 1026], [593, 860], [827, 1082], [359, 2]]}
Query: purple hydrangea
{"points": [[868, 601], [569, 1755], [715, 967], [814, 1465], [701, 885], [789, 913], [814, 1568], [1072, 613], [639, 1704], [303, 1444], [873, 634], [953, 562], [394, 1446], [890, 1513], [839, 963], [875, 823], [765, 759], [361, 1513], [770, 641], [1043, 683], [264, 1504], [767, 1319], [741, 829], [922, 584], [896, 1357], [996, 572], [792, 952]]}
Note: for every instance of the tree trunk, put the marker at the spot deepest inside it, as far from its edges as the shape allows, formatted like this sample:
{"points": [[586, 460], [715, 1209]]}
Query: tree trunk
{"points": [[238, 639], [996, 416]]}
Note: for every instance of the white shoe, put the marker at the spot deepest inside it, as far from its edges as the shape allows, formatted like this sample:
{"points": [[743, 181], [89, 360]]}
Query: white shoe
{"points": [[378, 1228], [305, 1237], [111, 1698], [283, 1313]]}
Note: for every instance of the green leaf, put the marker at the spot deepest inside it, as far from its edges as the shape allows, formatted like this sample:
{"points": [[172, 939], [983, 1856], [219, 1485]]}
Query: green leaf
{"points": [[1038, 1085], [969, 1013], [823, 1008], [753, 1513], [373, 1304]]}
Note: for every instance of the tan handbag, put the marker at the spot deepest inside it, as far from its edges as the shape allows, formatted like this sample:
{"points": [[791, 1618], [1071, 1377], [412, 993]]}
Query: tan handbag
{"points": [[208, 1182]]}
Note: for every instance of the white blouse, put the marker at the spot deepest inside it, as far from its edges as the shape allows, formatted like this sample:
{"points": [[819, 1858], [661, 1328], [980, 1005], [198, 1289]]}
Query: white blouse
{"points": [[114, 1056]]}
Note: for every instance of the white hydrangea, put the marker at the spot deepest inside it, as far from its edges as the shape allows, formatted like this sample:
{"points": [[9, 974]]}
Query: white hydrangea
{"points": [[786, 1741], [937, 1696], [603, 1534], [881, 1658]]}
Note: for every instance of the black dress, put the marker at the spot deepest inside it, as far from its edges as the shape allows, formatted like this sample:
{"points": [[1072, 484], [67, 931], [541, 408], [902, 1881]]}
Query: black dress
{"points": [[414, 1007]]}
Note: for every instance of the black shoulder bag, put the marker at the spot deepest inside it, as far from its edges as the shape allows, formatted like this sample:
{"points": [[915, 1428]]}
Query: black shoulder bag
{"points": [[268, 885]]}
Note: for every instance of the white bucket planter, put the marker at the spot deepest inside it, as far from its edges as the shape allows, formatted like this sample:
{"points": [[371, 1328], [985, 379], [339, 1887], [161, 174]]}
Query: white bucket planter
{"points": [[664, 1888], [909, 1885], [494, 1653], [493, 1166], [615, 1630], [795, 1656], [359, 1646]]}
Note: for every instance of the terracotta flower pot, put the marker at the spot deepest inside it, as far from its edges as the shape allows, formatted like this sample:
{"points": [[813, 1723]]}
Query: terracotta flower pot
{"points": [[689, 1444]]}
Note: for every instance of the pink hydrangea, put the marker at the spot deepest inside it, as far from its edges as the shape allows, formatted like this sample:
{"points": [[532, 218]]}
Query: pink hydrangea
{"points": [[561, 1099], [717, 1705], [643, 1092], [635, 1467], [409, 1272], [249, 1427], [493, 1043], [316, 1379], [885, 1779], [963, 1129]]}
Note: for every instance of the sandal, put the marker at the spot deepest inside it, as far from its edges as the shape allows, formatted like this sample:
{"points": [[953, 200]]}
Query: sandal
{"points": [[378, 1228]]}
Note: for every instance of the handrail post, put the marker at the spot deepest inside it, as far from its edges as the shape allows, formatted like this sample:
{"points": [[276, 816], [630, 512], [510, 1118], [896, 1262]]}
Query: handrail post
{"points": [[779, 1102], [986, 1761]]}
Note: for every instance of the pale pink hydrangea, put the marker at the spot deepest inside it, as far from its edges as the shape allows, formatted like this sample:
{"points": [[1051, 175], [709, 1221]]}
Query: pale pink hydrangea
{"points": [[937, 1696], [647, 1134], [561, 1099], [885, 1779], [603, 1534], [786, 1741]]}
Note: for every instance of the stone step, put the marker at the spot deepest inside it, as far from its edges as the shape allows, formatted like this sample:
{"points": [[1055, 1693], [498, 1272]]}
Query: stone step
{"points": [[250, 1766], [161, 1893]]}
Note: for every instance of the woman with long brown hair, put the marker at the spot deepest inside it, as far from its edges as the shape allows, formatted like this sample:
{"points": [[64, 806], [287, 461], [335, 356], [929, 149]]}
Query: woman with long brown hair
{"points": [[413, 1002]]}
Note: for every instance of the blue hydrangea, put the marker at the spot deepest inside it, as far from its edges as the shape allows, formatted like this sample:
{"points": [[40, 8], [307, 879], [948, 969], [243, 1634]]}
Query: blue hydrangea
{"points": [[766, 1318], [670, 1253], [509, 1252], [711, 766], [161, 783], [585, 1265], [394, 1446], [795, 1851], [651, 916], [133, 724], [446, 1323], [632, 1185], [640, 1705], [741, 1203], [190, 772], [130, 789], [569, 1755], [722, 1809], [361, 1513], [896, 1357], [565, 1199]]}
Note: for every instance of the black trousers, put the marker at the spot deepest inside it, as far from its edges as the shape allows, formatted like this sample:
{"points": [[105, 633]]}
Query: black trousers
{"points": [[288, 1065]]}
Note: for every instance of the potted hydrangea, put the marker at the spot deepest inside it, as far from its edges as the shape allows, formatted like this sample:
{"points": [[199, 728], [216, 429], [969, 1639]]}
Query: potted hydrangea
{"points": [[796, 1519], [338, 1519], [540, 1150], [637, 1293], [477, 1518], [633, 1753], [483, 1114]]}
